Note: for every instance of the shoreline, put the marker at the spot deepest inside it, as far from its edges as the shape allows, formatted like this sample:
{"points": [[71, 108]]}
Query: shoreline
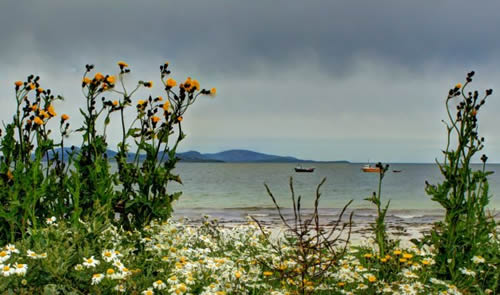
{"points": [[402, 225]]}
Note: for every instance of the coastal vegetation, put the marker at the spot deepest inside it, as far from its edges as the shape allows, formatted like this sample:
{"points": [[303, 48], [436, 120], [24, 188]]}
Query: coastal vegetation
{"points": [[69, 224]]}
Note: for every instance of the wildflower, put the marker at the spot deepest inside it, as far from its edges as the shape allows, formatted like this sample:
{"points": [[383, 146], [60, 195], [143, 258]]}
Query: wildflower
{"points": [[120, 288], [39, 90], [166, 106], [237, 274], [478, 259], [97, 278], [171, 82], [51, 220], [149, 291], [11, 248], [64, 117], [267, 273], [78, 267], [115, 103], [110, 272], [179, 118], [173, 280], [4, 256], [402, 260], [19, 83], [86, 81], [51, 111], [196, 85], [38, 121], [20, 269], [141, 102], [7, 270], [10, 176], [159, 284], [383, 260], [458, 86], [31, 254], [341, 284], [108, 255], [111, 79], [31, 86], [90, 262], [155, 119], [368, 255], [467, 272], [407, 255], [122, 64], [474, 112], [397, 252], [99, 77], [213, 91], [34, 107]]}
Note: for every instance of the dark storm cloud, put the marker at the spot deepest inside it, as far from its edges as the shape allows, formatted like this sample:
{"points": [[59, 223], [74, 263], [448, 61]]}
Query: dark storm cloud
{"points": [[231, 36]]}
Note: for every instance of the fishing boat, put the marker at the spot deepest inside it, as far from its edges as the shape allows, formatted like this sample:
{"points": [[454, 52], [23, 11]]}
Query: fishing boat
{"points": [[299, 168], [368, 168]]}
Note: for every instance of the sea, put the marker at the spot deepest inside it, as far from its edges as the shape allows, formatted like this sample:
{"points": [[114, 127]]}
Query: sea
{"points": [[233, 191]]}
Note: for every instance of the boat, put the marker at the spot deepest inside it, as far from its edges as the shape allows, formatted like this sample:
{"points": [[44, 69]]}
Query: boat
{"points": [[397, 171], [368, 168], [299, 168]]}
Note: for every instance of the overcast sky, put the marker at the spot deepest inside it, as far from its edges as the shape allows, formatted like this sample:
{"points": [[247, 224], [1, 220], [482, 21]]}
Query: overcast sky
{"points": [[323, 80]]}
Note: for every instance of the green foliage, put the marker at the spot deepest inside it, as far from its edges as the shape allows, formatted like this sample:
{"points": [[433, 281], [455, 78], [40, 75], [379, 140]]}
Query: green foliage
{"points": [[467, 229], [41, 178]]}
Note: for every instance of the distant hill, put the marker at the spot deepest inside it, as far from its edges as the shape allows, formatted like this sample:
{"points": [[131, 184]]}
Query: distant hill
{"points": [[229, 156]]}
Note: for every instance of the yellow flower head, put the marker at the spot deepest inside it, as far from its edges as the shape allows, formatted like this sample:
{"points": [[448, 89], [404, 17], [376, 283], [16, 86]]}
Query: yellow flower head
{"points": [[115, 102], [86, 81], [155, 119], [64, 117], [196, 84], [10, 176], [38, 121], [99, 77], [267, 273], [372, 279], [32, 86], [110, 271], [141, 102], [51, 111], [122, 64], [19, 83], [458, 86], [166, 106], [111, 79], [179, 119], [34, 107], [44, 114], [159, 98], [171, 82], [213, 91]]}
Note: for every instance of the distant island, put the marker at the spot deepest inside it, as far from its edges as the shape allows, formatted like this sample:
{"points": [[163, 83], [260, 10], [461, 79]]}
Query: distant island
{"points": [[229, 156]]}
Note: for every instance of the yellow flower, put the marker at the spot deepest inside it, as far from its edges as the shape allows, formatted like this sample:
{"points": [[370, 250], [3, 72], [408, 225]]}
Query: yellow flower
{"points": [[32, 86], [19, 83], [122, 64], [64, 117], [38, 121], [237, 274], [341, 284], [51, 111], [171, 82], [44, 114], [397, 252], [166, 106], [34, 107], [368, 255], [196, 84], [458, 86], [372, 278], [10, 176], [159, 98], [179, 119], [141, 102], [213, 91], [110, 271], [39, 89], [115, 102], [383, 260], [407, 256], [267, 273], [402, 260], [99, 77], [111, 79], [86, 81], [155, 119]]}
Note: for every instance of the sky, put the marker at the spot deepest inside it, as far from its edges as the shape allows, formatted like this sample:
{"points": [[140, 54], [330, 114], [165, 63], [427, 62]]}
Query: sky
{"points": [[322, 80]]}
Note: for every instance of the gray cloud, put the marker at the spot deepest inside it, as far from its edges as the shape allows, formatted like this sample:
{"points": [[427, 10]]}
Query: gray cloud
{"points": [[316, 79]]}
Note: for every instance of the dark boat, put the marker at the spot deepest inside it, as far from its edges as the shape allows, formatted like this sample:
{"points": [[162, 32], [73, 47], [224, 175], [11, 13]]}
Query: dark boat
{"points": [[396, 171], [299, 168]]}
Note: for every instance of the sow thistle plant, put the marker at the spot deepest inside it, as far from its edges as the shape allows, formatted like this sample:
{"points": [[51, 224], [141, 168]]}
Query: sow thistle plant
{"points": [[40, 177]]}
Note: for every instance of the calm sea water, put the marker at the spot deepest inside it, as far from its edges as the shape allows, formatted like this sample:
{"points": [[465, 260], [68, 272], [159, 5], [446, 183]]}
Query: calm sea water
{"points": [[239, 186]]}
